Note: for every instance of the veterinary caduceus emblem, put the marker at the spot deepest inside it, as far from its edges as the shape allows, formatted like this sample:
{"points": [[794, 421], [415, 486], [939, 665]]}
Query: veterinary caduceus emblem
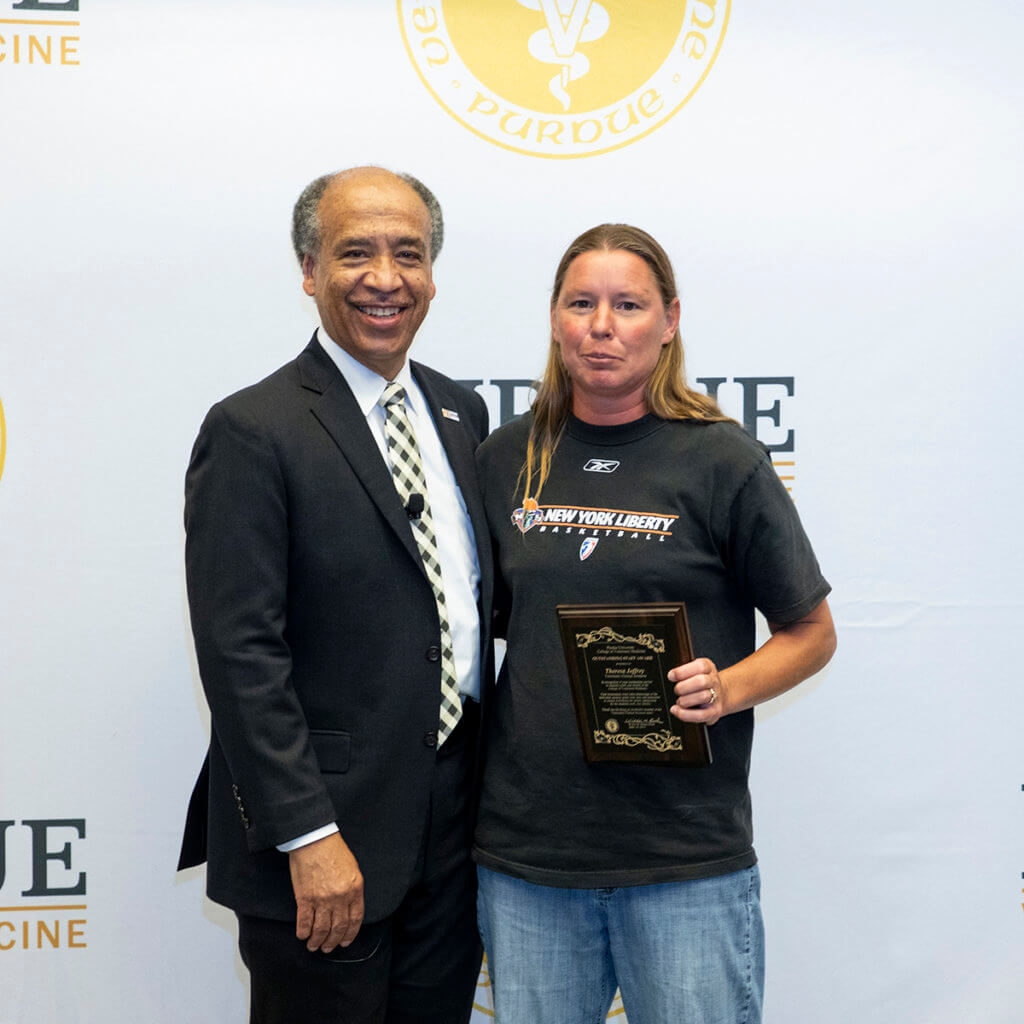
{"points": [[563, 78], [558, 42]]}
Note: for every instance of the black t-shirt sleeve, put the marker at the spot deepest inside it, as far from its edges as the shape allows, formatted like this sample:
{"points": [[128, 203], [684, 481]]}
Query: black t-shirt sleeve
{"points": [[770, 557]]}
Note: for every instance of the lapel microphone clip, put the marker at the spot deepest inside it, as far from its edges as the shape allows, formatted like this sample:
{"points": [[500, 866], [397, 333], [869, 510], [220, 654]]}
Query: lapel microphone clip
{"points": [[414, 507]]}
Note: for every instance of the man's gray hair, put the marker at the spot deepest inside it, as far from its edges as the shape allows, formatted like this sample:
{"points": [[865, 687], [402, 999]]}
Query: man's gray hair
{"points": [[306, 215]]}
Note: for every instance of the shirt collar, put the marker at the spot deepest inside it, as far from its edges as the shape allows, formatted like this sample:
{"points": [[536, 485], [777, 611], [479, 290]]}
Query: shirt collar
{"points": [[367, 386]]}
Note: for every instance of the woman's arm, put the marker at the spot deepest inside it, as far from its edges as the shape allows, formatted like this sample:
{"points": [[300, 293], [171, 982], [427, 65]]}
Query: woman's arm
{"points": [[791, 654]]}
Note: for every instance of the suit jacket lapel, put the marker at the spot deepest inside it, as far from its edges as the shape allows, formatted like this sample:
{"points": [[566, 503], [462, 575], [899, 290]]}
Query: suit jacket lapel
{"points": [[461, 458], [453, 436], [333, 404]]}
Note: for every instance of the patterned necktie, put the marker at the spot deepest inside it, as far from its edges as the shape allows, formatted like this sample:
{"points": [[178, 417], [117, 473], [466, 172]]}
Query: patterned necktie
{"points": [[407, 470]]}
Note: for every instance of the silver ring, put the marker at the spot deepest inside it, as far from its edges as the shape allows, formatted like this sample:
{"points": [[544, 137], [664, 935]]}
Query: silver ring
{"points": [[711, 699]]}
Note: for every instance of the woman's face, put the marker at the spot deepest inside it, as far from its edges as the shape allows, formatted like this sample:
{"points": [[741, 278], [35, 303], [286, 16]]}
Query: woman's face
{"points": [[610, 324]]}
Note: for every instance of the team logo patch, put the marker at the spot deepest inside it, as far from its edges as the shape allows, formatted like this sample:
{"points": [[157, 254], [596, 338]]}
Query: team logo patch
{"points": [[563, 78], [587, 548], [528, 516], [602, 466]]}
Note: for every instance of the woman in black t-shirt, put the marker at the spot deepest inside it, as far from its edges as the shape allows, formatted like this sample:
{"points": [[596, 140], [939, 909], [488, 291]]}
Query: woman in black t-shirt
{"points": [[625, 485]]}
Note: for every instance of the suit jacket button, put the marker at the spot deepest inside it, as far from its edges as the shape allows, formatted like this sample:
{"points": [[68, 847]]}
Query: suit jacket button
{"points": [[433, 653], [430, 740]]}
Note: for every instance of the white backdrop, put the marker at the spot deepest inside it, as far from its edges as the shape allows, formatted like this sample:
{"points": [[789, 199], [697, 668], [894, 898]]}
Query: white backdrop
{"points": [[840, 197]]}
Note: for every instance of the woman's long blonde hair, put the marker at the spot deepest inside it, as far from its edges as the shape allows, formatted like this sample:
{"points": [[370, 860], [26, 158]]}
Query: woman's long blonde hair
{"points": [[667, 394]]}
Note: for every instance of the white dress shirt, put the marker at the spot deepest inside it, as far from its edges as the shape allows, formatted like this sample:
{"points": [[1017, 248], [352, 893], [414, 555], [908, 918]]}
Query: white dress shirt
{"points": [[456, 541]]}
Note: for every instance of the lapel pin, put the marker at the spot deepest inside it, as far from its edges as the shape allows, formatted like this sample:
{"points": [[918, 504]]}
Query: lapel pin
{"points": [[449, 414]]}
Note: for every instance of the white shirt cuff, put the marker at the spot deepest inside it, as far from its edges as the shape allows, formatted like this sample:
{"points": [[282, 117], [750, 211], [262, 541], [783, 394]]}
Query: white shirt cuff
{"points": [[310, 837]]}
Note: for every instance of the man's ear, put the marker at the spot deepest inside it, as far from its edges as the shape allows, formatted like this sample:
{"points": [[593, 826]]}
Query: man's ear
{"points": [[308, 266]]}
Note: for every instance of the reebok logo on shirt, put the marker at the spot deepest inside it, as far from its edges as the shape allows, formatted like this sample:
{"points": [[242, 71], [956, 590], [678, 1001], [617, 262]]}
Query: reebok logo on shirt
{"points": [[601, 466]]}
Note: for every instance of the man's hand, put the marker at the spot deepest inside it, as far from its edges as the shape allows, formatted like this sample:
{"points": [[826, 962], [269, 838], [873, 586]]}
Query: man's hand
{"points": [[328, 889]]}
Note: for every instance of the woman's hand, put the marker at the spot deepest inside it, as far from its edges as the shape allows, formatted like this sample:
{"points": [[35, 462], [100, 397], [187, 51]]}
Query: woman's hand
{"points": [[700, 692], [791, 654]]}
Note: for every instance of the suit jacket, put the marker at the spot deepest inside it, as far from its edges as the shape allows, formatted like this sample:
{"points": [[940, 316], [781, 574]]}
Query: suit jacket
{"points": [[316, 633]]}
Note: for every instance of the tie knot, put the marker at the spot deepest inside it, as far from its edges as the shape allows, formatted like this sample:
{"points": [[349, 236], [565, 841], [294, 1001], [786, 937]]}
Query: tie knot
{"points": [[394, 394]]}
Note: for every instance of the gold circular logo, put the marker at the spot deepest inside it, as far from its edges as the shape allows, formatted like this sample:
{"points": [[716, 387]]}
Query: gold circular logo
{"points": [[563, 78], [3, 439]]}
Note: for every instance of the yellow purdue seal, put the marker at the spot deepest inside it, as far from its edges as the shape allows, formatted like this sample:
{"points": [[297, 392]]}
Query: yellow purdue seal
{"points": [[3, 440], [563, 78]]}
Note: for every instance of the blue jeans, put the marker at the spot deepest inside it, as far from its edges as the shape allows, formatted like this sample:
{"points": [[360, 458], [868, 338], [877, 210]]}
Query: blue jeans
{"points": [[681, 952]]}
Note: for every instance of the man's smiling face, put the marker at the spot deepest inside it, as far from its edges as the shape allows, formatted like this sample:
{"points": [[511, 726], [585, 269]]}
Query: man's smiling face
{"points": [[372, 276]]}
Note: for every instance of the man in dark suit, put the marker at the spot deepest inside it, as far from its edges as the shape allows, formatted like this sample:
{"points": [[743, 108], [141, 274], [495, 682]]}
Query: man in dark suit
{"points": [[334, 607]]}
